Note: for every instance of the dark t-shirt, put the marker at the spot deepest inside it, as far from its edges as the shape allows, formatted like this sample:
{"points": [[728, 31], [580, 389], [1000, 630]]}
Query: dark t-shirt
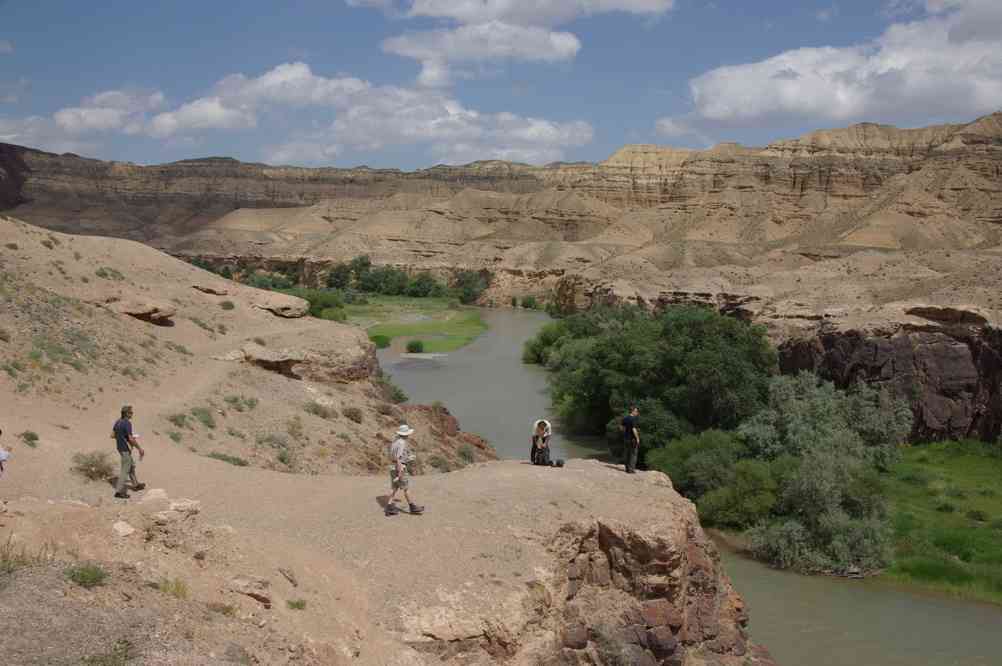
{"points": [[123, 431], [629, 423]]}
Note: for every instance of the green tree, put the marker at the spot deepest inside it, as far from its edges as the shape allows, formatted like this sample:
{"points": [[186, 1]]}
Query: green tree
{"points": [[340, 276]]}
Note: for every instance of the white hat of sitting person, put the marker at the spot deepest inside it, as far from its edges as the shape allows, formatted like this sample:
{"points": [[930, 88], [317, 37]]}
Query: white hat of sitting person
{"points": [[405, 430], [546, 425], [4, 455]]}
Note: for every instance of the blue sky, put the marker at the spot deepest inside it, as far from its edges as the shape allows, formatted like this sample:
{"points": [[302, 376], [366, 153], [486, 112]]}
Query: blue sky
{"points": [[411, 83]]}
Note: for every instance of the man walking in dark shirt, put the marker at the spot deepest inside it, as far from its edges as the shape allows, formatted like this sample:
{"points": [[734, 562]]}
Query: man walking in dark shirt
{"points": [[631, 439], [125, 441]]}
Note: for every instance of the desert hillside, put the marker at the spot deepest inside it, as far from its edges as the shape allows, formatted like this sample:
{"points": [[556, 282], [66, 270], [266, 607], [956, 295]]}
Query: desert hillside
{"points": [[259, 538]]}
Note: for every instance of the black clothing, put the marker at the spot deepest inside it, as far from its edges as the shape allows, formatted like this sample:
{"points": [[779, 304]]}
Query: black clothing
{"points": [[631, 446], [540, 455], [123, 431]]}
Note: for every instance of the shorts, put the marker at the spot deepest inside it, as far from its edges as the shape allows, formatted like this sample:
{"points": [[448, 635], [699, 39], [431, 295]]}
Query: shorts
{"points": [[404, 482]]}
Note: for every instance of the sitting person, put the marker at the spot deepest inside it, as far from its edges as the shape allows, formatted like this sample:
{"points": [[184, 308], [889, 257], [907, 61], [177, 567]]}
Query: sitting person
{"points": [[540, 452]]}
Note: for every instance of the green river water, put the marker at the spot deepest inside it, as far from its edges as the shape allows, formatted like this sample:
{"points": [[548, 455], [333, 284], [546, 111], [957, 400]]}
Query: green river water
{"points": [[804, 621]]}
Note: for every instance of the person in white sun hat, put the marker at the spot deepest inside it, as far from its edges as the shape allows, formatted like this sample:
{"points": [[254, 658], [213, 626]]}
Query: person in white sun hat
{"points": [[400, 457]]}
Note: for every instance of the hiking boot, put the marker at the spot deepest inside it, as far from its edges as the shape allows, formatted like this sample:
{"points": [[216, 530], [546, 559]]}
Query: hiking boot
{"points": [[415, 509], [138, 487], [122, 495], [392, 510]]}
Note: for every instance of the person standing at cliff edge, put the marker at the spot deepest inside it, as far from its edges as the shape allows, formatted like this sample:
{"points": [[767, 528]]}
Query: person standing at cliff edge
{"points": [[631, 439], [125, 441], [401, 456]]}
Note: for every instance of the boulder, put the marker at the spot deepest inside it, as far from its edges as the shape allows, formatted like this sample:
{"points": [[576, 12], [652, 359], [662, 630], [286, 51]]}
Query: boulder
{"points": [[282, 305], [154, 312], [282, 361], [123, 529], [206, 289], [253, 587]]}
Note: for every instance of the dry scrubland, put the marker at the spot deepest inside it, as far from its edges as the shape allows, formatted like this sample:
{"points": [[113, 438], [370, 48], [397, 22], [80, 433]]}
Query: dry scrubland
{"points": [[260, 538]]}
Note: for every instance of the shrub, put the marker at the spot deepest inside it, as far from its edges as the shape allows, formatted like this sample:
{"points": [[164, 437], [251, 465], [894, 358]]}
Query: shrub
{"points": [[13, 556], [179, 420], [261, 341], [514, 301], [227, 305], [698, 464], [223, 609], [386, 409], [340, 277], [424, 285], [946, 507], [296, 604], [87, 575], [440, 463], [284, 456], [30, 438], [106, 273], [469, 285], [11, 246], [227, 458], [334, 314], [391, 391], [746, 500], [977, 515], [233, 432], [93, 466], [175, 587], [530, 303], [121, 655], [204, 416], [323, 411], [466, 454], [353, 414], [415, 347], [381, 341], [175, 436]]}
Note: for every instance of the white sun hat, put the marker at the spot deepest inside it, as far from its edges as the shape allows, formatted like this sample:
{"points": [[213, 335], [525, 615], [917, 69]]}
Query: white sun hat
{"points": [[545, 423], [405, 430], [4, 455]]}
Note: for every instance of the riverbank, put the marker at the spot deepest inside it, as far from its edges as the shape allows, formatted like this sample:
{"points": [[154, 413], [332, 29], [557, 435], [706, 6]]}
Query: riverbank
{"points": [[441, 324], [946, 501]]}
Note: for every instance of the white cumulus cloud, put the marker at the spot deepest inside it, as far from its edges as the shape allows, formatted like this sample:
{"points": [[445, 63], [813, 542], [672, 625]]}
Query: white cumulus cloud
{"points": [[313, 150], [496, 30], [481, 42], [201, 114], [946, 62], [109, 110]]}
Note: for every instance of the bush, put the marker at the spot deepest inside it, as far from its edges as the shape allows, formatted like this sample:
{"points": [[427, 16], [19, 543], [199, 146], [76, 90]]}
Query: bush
{"points": [[415, 347], [469, 285], [296, 604], [223, 609], [745, 501], [204, 416], [514, 301], [381, 341], [93, 466], [175, 436], [179, 420], [323, 411], [121, 654], [29, 438], [977, 515], [391, 391], [530, 303], [334, 314], [439, 463], [340, 277], [87, 575], [698, 464], [423, 285], [227, 458], [175, 587], [467, 454], [227, 305], [353, 414], [319, 299]]}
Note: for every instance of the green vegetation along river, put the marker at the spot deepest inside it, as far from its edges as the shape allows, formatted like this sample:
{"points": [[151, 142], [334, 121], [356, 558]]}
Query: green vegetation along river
{"points": [[803, 620]]}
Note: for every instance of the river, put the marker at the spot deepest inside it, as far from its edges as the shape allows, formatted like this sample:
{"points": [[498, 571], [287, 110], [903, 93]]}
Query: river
{"points": [[804, 621]]}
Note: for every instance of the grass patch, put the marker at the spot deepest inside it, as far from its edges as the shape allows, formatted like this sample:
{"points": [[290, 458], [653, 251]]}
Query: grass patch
{"points": [[261, 341], [204, 416], [227, 305], [179, 420], [233, 432], [466, 454], [121, 654], [241, 403], [202, 324], [87, 575], [296, 604], [93, 466], [441, 327], [225, 457], [14, 556], [180, 349], [106, 273], [955, 544], [175, 436], [323, 411], [30, 438], [175, 587], [352, 414]]}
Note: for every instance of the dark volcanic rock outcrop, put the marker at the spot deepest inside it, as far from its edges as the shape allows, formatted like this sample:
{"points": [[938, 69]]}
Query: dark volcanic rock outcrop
{"points": [[951, 375]]}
